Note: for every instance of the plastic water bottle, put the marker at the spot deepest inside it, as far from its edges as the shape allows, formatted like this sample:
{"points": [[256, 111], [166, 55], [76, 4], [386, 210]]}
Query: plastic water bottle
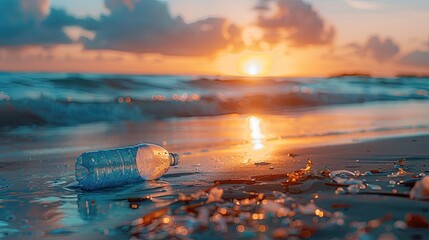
{"points": [[116, 167]]}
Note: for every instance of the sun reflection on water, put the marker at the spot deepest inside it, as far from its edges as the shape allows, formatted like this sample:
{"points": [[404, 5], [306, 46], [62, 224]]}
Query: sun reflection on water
{"points": [[256, 133]]}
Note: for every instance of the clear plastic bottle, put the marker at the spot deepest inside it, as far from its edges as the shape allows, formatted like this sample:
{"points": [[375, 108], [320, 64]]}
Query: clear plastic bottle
{"points": [[116, 167]]}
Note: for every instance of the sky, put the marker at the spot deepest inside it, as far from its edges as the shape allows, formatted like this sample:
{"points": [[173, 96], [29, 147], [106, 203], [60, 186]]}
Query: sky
{"points": [[222, 37]]}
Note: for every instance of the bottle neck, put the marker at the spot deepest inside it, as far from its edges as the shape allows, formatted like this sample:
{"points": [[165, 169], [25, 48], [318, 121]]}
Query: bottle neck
{"points": [[174, 159]]}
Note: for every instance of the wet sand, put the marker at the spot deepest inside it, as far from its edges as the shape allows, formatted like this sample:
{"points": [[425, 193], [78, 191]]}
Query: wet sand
{"points": [[37, 164]]}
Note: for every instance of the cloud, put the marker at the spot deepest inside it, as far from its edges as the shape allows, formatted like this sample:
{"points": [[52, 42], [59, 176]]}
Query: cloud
{"points": [[32, 22], [377, 48], [416, 58], [35, 8], [148, 27], [363, 5], [297, 22]]}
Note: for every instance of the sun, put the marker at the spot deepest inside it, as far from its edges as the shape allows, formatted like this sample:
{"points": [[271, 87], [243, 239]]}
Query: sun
{"points": [[254, 64], [253, 69]]}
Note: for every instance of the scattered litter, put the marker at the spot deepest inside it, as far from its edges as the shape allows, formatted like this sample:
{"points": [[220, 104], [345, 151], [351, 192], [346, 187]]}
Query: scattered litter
{"points": [[249, 208]]}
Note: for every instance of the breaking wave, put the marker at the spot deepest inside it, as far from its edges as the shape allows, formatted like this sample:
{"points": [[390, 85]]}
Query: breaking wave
{"points": [[64, 99]]}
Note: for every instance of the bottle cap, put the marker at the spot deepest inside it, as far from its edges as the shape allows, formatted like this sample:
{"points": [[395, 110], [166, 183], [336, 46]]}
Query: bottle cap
{"points": [[174, 159]]}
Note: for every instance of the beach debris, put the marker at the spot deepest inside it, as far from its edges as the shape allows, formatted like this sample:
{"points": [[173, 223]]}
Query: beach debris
{"points": [[387, 236], [215, 195], [399, 164], [134, 205], [340, 190], [400, 173], [420, 191], [295, 176], [312, 209], [150, 217], [345, 177], [355, 188], [341, 173], [197, 195], [375, 223], [262, 163], [108, 168], [400, 224], [308, 185], [184, 198], [280, 233], [300, 174], [276, 208], [337, 219], [416, 221], [374, 186], [262, 208], [325, 172]]}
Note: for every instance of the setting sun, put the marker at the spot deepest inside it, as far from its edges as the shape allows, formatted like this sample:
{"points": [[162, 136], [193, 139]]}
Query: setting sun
{"points": [[253, 69], [254, 64]]}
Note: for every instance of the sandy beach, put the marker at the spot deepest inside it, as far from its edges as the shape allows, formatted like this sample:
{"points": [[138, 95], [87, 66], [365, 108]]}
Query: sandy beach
{"points": [[256, 152]]}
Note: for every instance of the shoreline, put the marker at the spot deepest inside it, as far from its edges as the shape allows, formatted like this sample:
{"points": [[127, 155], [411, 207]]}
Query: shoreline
{"points": [[74, 210]]}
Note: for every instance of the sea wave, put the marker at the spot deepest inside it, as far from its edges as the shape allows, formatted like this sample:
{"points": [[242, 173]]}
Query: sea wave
{"points": [[65, 99]]}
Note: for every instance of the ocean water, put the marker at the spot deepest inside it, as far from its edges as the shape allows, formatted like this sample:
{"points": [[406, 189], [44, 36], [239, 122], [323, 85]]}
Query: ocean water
{"points": [[60, 99]]}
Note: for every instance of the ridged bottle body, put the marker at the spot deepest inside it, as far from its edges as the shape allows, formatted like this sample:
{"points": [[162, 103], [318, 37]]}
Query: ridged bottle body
{"points": [[116, 167]]}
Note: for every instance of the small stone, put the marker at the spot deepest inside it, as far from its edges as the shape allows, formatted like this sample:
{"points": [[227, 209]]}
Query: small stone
{"points": [[416, 221]]}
